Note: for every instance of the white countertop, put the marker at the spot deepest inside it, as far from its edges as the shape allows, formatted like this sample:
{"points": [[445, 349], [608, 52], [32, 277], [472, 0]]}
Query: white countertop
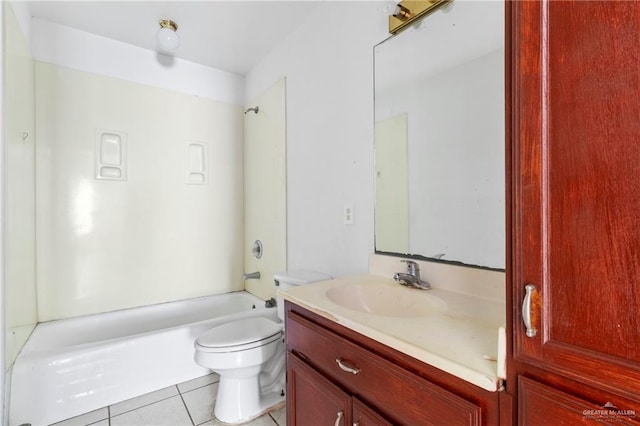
{"points": [[460, 337]]}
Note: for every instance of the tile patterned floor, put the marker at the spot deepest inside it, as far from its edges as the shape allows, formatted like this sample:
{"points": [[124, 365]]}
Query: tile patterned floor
{"points": [[185, 404]]}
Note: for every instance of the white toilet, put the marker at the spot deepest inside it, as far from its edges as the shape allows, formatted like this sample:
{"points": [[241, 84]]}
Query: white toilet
{"points": [[249, 356]]}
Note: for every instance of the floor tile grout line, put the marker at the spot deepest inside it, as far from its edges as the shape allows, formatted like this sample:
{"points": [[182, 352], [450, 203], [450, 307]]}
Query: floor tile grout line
{"points": [[179, 393], [276, 421], [273, 420], [186, 407], [199, 387], [142, 406], [80, 415]]}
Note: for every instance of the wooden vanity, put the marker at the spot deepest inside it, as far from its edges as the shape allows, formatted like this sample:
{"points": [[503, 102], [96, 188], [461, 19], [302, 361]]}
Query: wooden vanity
{"points": [[338, 376]]}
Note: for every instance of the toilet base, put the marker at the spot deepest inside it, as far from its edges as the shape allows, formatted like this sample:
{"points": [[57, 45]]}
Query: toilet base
{"points": [[228, 410], [248, 393]]}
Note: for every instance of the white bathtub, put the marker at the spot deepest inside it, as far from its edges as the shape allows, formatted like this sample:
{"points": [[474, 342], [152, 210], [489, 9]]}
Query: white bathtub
{"points": [[73, 366]]}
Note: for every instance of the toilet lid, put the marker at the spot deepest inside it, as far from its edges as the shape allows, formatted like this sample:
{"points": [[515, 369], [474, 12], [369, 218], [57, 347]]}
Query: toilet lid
{"points": [[241, 333], [300, 277]]}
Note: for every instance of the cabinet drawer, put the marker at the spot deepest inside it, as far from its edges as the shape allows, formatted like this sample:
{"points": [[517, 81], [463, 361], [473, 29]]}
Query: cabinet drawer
{"points": [[399, 395]]}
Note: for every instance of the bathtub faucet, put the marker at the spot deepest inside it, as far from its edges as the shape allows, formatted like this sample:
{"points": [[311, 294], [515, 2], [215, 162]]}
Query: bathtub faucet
{"points": [[251, 276]]}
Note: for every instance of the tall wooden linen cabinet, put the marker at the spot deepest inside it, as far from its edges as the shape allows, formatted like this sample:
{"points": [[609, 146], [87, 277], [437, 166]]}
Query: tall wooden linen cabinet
{"points": [[574, 218]]}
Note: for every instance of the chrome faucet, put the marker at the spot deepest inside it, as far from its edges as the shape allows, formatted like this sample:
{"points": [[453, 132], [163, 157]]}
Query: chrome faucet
{"points": [[251, 276], [412, 277]]}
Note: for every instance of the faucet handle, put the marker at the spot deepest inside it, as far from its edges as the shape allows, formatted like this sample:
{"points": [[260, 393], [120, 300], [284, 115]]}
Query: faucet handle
{"points": [[412, 266]]}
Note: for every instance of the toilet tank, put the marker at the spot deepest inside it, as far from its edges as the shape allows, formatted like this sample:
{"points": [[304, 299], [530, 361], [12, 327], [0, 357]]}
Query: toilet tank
{"points": [[289, 279]]}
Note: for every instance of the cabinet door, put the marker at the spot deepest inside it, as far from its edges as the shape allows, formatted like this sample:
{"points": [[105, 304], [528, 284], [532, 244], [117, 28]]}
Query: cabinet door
{"points": [[577, 189], [539, 404], [365, 416], [312, 399]]}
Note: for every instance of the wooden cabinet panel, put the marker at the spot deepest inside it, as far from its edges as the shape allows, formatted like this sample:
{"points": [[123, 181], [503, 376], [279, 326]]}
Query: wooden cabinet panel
{"points": [[540, 405], [576, 193], [400, 396], [365, 416], [312, 399]]}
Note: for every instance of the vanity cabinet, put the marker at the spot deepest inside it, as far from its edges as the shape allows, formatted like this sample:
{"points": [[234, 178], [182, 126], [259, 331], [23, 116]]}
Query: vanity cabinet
{"points": [[575, 215], [344, 378], [316, 400]]}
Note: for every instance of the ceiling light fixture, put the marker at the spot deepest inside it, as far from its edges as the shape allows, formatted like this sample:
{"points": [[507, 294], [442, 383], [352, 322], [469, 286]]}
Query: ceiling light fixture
{"points": [[167, 38]]}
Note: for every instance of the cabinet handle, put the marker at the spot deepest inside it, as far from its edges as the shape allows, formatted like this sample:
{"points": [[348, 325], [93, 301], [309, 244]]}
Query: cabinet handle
{"points": [[526, 310], [337, 423], [345, 367]]}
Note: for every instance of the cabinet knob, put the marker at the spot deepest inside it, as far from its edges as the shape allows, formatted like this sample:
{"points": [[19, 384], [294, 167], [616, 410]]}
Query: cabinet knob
{"points": [[345, 367], [338, 418], [526, 310]]}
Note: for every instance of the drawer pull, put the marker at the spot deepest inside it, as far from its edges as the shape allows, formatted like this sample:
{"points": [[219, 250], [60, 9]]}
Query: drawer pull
{"points": [[340, 413], [345, 367]]}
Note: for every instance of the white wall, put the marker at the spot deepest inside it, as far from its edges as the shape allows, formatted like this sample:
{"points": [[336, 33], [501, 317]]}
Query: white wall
{"points": [[328, 63], [4, 403], [106, 245]]}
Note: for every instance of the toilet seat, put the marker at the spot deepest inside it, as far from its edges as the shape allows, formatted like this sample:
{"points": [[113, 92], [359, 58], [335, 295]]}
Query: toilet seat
{"points": [[239, 335]]}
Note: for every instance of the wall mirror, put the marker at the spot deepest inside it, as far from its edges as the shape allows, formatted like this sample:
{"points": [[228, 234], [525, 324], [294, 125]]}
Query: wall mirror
{"points": [[439, 137]]}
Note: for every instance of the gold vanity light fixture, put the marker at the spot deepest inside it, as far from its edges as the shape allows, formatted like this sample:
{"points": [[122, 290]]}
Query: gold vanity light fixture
{"points": [[407, 11]]}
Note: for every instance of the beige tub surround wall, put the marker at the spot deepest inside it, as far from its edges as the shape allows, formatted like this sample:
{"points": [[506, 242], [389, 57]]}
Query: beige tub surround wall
{"points": [[153, 236], [19, 204], [265, 189]]}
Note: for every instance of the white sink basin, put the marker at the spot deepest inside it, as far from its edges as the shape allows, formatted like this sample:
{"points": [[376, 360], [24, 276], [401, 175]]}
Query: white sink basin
{"points": [[385, 300]]}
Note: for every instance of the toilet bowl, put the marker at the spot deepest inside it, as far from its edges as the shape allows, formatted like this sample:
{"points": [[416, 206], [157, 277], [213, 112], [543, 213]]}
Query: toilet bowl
{"points": [[249, 356]]}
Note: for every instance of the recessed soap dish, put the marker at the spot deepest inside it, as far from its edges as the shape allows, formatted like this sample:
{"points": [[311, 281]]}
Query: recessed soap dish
{"points": [[110, 155]]}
